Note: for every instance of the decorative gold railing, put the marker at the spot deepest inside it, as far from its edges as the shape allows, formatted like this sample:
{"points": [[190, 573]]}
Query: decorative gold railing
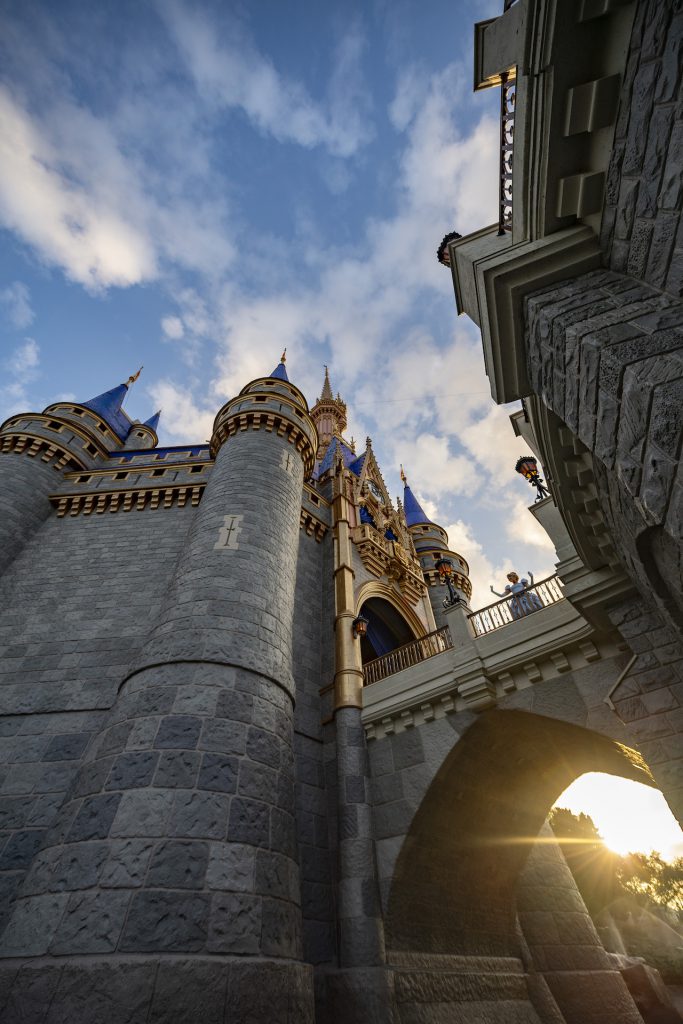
{"points": [[408, 655], [512, 608], [508, 95]]}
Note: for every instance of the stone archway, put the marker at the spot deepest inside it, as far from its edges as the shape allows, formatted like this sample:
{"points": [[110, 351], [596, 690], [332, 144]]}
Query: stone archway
{"points": [[453, 901], [455, 877], [392, 622]]}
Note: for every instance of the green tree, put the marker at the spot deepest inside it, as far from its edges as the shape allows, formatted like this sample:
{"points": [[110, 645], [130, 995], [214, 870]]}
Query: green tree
{"points": [[652, 879]]}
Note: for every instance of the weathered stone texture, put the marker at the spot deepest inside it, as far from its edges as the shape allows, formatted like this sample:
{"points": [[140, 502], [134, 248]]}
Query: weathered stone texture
{"points": [[641, 230]]}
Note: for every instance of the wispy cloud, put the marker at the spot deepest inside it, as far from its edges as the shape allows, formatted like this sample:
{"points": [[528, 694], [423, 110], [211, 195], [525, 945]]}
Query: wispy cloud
{"points": [[229, 71], [20, 368], [16, 301]]}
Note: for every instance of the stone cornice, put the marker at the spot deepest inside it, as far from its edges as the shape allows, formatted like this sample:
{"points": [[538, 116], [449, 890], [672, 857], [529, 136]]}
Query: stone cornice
{"points": [[242, 414], [29, 444], [86, 503], [125, 499]]}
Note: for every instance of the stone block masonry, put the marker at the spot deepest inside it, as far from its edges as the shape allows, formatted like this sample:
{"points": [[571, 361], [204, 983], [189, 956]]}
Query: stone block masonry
{"points": [[641, 231], [77, 602], [178, 835]]}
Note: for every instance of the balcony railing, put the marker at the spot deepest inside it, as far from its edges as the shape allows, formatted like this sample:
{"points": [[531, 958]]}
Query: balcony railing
{"points": [[408, 655], [511, 608], [508, 94]]}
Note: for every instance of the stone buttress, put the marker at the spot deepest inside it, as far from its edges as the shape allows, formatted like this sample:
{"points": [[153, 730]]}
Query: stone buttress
{"points": [[187, 796]]}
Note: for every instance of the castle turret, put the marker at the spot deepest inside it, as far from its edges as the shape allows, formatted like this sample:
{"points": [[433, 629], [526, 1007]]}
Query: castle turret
{"points": [[329, 416], [191, 780], [431, 544], [144, 435]]}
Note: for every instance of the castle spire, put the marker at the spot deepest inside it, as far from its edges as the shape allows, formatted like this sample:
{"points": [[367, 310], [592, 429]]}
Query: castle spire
{"points": [[326, 394], [153, 421], [108, 408], [280, 371], [413, 509], [329, 416]]}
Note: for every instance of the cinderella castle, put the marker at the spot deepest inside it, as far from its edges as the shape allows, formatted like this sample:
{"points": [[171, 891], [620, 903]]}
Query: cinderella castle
{"points": [[260, 762]]}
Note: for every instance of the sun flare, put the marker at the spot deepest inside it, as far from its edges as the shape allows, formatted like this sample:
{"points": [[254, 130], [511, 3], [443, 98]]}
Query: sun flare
{"points": [[629, 816]]}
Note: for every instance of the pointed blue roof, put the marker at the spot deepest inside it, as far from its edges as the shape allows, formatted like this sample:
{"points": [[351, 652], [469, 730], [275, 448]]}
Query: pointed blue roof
{"points": [[280, 371], [413, 510], [108, 407], [153, 421], [357, 465], [328, 458]]}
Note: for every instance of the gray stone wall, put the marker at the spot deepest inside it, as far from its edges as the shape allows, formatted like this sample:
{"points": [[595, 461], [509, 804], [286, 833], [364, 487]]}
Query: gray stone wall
{"points": [[313, 635], [25, 484], [641, 231], [606, 356], [77, 603], [178, 834]]}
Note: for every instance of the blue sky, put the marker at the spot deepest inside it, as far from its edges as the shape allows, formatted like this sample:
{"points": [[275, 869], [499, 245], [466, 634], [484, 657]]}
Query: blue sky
{"points": [[195, 186]]}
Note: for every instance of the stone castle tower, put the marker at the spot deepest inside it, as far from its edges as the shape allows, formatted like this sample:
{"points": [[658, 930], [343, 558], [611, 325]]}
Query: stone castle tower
{"points": [[186, 792]]}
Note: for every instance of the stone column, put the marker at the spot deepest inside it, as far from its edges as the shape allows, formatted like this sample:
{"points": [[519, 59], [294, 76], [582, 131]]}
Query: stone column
{"points": [[564, 944], [358, 992], [176, 853]]}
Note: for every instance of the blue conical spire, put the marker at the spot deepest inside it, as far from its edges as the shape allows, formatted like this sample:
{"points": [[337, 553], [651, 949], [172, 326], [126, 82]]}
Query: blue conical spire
{"points": [[280, 370], [108, 407], [411, 506], [153, 421]]}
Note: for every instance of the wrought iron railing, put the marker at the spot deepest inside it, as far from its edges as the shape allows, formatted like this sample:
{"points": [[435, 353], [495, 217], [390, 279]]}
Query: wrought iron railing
{"points": [[410, 654], [508, 94], [515, 607]]}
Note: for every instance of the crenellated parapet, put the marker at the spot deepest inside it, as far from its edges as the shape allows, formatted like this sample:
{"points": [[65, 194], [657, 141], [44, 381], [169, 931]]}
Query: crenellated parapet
{"points": [[275, 406]]}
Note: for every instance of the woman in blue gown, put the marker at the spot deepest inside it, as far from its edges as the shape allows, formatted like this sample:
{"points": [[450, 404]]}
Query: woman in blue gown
{"points": [[522, 601]]}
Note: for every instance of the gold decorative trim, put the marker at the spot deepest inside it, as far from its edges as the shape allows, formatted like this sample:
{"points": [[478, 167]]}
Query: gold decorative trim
{"points": [[312, 525], [88, 502], [269, 421], [388, 558], [27, 444]]}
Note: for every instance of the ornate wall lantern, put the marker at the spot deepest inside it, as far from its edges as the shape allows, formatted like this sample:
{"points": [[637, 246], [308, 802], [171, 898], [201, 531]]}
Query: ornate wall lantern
{"points": [[527, 467], [444, 567], [360, 627], [442, 254]]}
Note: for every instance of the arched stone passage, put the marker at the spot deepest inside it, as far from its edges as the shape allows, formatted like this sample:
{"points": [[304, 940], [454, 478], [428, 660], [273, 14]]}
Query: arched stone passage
{"points": [[388, 628], [455, 879]]}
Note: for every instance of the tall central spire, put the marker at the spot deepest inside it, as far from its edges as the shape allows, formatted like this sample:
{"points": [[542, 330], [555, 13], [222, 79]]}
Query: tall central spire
{"points": [[329, 416]]}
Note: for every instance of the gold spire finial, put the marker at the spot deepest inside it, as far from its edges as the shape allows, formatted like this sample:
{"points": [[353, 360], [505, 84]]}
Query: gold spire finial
{"points": [[404, 478], [283, 357], [326, 393], [131, 380]]}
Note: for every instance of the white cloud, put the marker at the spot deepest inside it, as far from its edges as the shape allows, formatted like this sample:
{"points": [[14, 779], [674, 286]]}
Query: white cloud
{"points": [[411, 88], [172, 326], [182, 418], [17, 302], [229, 71], [65, 220], [24, 359], [20, 369]]}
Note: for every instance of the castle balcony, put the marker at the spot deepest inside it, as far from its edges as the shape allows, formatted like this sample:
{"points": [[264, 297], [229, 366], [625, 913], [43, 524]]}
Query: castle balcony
{"points": [[408, 655], [507, 610], [482, 659]]}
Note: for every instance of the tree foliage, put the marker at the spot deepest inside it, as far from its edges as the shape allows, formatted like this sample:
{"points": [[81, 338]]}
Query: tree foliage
{"points": [[602, 876]]}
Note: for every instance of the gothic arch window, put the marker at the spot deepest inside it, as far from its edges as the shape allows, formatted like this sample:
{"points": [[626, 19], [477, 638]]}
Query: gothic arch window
{"points": [[387, 629]]}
